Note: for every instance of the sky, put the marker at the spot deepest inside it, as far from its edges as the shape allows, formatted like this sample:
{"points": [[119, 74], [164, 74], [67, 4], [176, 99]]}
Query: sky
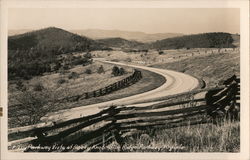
{"points": [[148, 20]]}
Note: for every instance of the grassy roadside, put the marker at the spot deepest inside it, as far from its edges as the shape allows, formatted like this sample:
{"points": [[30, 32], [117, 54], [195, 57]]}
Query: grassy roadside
{"points": [[198, 138], [223, 137], [149, 82], [211, 68], [64, 83]]}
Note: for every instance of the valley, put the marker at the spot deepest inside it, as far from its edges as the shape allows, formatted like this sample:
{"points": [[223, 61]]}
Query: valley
{"points": [[57, 77]]}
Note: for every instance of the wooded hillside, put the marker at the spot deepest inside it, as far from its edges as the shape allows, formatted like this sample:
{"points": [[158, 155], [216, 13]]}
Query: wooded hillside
{"points": [[205, 40], [33, 53]]}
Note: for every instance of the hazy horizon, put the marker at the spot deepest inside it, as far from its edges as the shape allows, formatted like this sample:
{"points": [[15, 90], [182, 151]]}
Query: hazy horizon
{"points": [[90, 29], [146, 20], [30, 30]]}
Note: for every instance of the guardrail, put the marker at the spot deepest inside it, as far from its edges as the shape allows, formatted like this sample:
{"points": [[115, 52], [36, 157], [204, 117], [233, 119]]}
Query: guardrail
{"points": [[116, 122]]}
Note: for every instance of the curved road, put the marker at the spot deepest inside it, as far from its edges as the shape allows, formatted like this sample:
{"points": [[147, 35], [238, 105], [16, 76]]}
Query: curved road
{"points": [[176, 82]]}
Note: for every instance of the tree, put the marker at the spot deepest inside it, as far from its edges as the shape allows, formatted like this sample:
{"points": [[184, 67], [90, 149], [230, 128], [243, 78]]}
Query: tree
{"points": [[88, 71], [122, 71], [115, 71], [20, 86], [38, 87], [88, 55], [73, 75], [160, 52], [56, 66], [61, 81], [33, 106], [100, 70]]}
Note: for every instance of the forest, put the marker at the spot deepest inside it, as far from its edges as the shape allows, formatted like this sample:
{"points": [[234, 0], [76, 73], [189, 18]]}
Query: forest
{"points": [[205, 40], [33, 53]]}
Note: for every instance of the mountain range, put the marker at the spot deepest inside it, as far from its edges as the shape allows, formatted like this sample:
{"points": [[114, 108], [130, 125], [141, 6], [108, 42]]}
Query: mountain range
{"points": [[53, 38], [129, 35], [102, 34], [32, 53], [119, 43]]}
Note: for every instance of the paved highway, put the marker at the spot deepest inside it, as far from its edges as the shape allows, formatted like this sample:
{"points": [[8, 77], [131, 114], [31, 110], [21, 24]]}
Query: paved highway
{"points": [[176, 83]]}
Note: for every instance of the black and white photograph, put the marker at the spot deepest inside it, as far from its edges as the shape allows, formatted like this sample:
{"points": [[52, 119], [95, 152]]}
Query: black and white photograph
{"points": [[124, 80]]}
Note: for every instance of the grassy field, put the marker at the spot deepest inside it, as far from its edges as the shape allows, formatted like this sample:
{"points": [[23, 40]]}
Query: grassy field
{"points": [[80, 84], [148, 82], [223, 137], [64, 84], [210, 64], [212, 68], [207, 64]]}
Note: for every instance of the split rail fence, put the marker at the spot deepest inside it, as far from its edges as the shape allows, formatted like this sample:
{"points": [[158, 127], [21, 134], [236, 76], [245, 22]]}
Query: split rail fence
{"points": [[115, 123], [128, 81], [124, 83]]}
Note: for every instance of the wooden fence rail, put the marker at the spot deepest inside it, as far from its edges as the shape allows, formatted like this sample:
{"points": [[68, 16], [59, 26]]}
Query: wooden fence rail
{"points": [[132, 79], [126, 82], [116, 122]]}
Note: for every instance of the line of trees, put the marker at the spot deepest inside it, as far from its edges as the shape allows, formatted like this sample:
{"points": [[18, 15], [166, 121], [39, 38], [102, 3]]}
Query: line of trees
{"points": [[116, 71], [206, 40], [26, 65]]}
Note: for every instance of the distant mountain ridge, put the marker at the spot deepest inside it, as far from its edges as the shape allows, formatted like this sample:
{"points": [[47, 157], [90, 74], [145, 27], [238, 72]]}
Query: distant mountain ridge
{"points": [[64, 40], [36, 52], [119, 43], [128, 35], [203, 40], [51, 38]]}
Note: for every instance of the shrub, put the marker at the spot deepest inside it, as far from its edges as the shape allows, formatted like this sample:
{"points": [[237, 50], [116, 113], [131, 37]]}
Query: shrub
{"points": [[118, 71], [88, 71], [38, 87], [61, 81], [100, 70], [128, 60], [122, 71], [88, 55], [160, 52], [57, 66], [115, 71], [65, 67], [78, 61], [20, 86], [35, 105], [73, 75]]}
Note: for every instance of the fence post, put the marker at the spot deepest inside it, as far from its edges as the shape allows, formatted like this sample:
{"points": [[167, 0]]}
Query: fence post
{"points": [[116, 131], [124, 83], [114, 86], [110, 89], [100, 91], [106, 90], [234, 110], [86, 95]]}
